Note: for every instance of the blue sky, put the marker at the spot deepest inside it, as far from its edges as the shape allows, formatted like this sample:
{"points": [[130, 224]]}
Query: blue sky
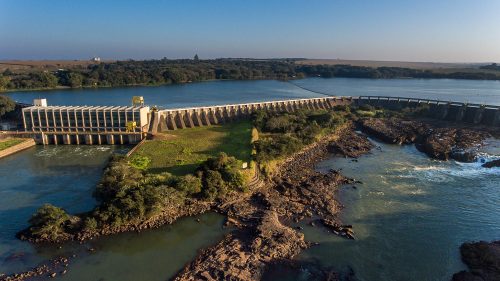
{"points": [[438, 30]]}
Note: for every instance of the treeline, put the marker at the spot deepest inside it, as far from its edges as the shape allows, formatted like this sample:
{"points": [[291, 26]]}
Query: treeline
{"points": [[492, 66], [165, 71]]}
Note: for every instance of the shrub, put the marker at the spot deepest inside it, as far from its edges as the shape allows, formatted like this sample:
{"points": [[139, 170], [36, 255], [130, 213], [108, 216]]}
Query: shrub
{"points": [[189, 184], [90, 224], [140, 162], [214, 185], [221, 174], [49, 222]]}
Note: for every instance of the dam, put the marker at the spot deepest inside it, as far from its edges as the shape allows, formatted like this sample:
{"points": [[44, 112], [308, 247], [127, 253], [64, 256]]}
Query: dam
{"points": [[131, 124]]}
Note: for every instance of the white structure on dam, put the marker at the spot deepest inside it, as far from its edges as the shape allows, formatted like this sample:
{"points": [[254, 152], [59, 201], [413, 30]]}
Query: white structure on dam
{"points": [[86, 124]]}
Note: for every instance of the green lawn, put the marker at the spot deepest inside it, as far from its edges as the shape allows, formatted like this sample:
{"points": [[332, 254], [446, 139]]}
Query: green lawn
{"points": [[183, 150], [4, 144]]}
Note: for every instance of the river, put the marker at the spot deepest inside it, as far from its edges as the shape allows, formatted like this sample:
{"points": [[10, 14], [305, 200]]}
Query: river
{"points": [[410, 215]]}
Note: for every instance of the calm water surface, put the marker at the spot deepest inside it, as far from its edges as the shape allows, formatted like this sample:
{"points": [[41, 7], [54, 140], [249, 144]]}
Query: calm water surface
{"points": [[60, 175], [230, 92]]}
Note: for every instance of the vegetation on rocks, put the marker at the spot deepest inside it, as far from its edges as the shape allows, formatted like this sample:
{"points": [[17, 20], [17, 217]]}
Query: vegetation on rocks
{"points": [[50, 222], [281, 134]]}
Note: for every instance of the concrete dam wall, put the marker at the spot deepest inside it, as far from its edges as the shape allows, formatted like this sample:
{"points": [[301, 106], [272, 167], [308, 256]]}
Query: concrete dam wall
{"points": [[172, 119], [442, 110]]}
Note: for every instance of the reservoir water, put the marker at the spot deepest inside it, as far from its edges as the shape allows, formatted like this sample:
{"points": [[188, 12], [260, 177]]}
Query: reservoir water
{"points": [[230, 92], [410, 215]]}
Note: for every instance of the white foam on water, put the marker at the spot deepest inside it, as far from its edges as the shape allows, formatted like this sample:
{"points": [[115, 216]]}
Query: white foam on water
{"points": [[64, 151], [445, 171]]}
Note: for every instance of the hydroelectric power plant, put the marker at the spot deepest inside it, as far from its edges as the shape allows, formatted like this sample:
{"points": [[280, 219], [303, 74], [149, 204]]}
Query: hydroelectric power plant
{"points": [[130, 124]]}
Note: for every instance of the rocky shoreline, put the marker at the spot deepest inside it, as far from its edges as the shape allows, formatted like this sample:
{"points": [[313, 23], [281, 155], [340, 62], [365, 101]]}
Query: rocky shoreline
{"points": [[483, 260], [169, 215], [263, 235], [443, 143]]}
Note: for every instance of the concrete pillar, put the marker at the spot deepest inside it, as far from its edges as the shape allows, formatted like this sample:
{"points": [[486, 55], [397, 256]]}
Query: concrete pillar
{"points": [[478, 115], [188, 121], [225, 113], [212, 117], [461, 113], [204, 117], [66, 139], [110, 139], [178, 120], [88, 139], [443, 111], [195, 115], [220, 116], [162, 123], [171, 122]]}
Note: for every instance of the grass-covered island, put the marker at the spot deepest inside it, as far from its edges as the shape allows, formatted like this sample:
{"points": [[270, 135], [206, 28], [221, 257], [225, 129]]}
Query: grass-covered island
{"points": [[259, 174]]}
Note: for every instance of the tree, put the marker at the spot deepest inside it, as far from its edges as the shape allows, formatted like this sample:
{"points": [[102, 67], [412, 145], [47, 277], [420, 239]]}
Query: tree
{"points": [[6, 105], [48, 222], [4, 81], [196, 58], [75, 80]]}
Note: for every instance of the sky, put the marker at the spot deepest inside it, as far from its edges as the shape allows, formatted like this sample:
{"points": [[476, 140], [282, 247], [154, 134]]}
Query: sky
{"points": [[398, 30]]}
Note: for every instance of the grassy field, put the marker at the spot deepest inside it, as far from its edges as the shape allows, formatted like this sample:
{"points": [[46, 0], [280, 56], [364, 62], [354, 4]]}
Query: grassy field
{"points": [[4, 144], [180, 152]]}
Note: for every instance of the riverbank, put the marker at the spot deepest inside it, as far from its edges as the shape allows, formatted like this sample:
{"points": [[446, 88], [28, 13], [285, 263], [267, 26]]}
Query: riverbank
{"points": [[10, 146]]}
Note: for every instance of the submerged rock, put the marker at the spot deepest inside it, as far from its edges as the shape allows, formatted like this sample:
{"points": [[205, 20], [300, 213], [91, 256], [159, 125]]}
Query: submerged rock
{"points": [[483, 260], [491, 164]]}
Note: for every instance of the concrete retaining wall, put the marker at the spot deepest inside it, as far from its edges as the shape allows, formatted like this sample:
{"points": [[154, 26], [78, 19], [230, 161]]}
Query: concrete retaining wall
{"points": [[16, 148]]}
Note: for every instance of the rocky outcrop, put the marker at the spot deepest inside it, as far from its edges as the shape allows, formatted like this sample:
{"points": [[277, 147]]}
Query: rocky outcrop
{"points": [[262, 236], [42, 272], [483, 260], [441, 143], [351, 145], [491, 164], [394, 130]]}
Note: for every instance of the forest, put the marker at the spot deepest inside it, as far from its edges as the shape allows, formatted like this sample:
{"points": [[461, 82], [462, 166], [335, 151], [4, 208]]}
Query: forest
{"points": [[166, 71]]}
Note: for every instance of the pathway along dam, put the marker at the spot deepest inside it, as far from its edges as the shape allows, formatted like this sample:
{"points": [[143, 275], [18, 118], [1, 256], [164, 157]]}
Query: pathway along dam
{"points": [[130, 124]]}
